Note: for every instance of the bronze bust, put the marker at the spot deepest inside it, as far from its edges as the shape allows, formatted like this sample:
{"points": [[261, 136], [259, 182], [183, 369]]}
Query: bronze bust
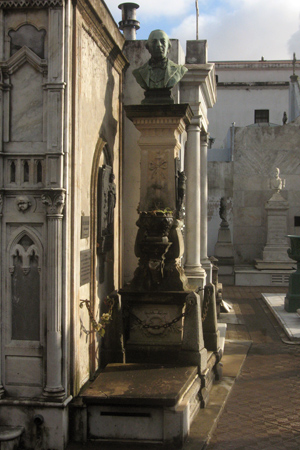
{"points": [[159, 74]]}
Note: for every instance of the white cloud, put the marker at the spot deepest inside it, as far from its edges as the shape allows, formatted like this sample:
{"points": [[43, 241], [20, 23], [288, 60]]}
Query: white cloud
{"points": [[249, 30], [234, 29], [155, 8]]}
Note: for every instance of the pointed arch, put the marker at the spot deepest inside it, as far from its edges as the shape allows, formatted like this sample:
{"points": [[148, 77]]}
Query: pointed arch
{"points": [[101, 147], [22, 231], [25, 252]]}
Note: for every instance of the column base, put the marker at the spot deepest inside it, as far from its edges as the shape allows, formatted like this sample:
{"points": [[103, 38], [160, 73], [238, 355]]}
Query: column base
{"points": [[207, 266], [57, 394], [196, 276]]}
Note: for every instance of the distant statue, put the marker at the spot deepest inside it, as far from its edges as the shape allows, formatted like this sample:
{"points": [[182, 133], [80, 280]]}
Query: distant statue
{"points": [[181, 191], [276, 182], [111, 203], [159, 72], [284, 118], [223, 210]]}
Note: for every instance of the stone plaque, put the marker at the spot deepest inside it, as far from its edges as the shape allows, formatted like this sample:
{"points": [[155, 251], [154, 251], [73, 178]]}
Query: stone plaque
{"points": [[85, 227], [277, 229], [85, 267]]}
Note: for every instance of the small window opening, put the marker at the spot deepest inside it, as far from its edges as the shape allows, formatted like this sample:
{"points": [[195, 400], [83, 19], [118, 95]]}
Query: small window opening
{"points": [[39, 172], [26, 172], [12, 172], [297, 221], [261, 116]]}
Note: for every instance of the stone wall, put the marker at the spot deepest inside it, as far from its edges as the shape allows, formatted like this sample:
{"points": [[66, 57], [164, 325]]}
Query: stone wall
{"points": [[257, 151], [60, 122], [97, 143]]}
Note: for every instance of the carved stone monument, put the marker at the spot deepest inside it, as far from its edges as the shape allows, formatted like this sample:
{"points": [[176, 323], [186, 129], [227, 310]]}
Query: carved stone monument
{"points": [[163, 318], [275, 254]]}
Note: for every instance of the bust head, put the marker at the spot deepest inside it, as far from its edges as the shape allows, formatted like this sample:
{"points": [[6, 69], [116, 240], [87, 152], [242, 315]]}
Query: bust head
{"points": [[158, 44], [23, 203], [159, 74]]}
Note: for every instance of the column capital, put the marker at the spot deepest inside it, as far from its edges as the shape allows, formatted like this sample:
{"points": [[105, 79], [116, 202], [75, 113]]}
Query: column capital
{"points": [[55, 202], [196, 120], [204, 137]]}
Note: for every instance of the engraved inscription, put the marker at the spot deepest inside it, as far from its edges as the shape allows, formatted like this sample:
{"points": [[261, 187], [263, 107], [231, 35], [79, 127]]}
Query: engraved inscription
{"points": [[85, 227], [85, 267]]}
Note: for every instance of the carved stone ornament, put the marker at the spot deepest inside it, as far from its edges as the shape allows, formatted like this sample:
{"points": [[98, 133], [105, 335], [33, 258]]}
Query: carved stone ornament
{"points": [[29, 3], [23, 203], [55, 203]]}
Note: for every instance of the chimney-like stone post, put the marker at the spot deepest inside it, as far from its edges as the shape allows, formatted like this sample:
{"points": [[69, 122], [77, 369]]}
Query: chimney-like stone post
{"points": [[129, 24]]}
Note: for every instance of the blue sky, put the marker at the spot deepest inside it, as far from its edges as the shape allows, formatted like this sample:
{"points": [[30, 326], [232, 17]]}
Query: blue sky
{"points": [[234, 29]]}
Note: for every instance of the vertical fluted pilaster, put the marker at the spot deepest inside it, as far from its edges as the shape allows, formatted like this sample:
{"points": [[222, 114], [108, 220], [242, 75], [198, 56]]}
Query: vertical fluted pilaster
{"points": [[55, 204]]}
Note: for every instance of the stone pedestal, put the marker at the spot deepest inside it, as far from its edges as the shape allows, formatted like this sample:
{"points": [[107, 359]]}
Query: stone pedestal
{"points": [[162, 317], [224, 254], [160, 128], [292, 299], [275, 252], [159, 242]]}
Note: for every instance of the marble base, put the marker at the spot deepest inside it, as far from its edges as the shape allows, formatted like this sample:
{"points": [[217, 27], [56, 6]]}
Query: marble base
{"points": [[261, 264], [290, 322], [142, 403], [249, 276], [10, 437], [22, 414]]}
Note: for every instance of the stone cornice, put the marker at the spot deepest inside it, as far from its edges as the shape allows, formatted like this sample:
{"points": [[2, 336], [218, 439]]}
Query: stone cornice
{"points": [[255, 65], [100, 26], [29, 3], [202, 75], [163, 113]]}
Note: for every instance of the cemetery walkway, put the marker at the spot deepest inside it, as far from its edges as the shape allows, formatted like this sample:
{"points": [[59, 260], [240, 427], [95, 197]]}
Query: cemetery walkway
{"points": [[262, 411]]}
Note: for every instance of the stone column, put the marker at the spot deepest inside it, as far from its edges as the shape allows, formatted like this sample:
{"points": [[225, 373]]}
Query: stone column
{"points": [[55, 204], [206, 263], [193, 269], [1, 337]]}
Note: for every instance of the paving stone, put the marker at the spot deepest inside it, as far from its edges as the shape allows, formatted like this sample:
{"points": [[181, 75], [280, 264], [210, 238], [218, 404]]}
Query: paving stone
{"points": [[263, 410]]}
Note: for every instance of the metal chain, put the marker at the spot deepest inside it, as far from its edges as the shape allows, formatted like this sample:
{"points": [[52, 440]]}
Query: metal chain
{"points": [[205, 307], [156, 327]]}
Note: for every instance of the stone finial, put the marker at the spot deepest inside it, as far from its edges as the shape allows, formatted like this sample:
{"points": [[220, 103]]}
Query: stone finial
{"points": [[129, 24]]}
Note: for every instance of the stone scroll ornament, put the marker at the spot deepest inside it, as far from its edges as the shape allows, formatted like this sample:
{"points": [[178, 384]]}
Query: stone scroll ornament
{"points": [[159, 75]]}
